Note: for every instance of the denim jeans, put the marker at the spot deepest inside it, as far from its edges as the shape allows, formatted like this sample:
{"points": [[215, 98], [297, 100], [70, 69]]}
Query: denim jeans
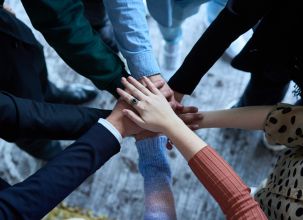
{"points": [[170, 14]]}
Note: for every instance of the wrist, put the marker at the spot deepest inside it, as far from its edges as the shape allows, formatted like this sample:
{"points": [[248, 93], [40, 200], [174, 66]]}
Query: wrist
{"points": [[172, 127], [154, 76], [145, 134], [117, 123]]}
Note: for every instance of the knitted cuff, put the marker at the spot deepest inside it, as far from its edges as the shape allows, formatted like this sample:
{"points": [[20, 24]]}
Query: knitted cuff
{"points": [[152, 157]]}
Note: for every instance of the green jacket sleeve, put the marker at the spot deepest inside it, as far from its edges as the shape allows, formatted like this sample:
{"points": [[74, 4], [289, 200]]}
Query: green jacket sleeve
{"points": [[65, 28]]}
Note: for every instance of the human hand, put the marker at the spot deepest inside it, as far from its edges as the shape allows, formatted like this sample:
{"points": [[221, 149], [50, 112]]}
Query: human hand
{"points": [[124, 125], [190, 116], [166, 91], [178, 96], [155, 113]]}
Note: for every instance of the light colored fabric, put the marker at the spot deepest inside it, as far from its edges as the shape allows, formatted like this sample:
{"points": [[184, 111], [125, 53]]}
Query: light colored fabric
{"points": [[132, 35], [154, 167], [284, 125], [170, 14], [282, 196]]}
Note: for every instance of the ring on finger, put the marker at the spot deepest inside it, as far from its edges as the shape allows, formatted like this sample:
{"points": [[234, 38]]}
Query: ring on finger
{"points": [[134, 101]]}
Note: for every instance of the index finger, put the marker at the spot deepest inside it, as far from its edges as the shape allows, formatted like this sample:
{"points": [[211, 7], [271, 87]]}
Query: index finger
{"points": [[151, 86], [139, 85]]}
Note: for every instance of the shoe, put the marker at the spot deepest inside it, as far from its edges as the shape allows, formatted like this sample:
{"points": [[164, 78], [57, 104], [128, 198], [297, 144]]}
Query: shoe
{"points": [[41, 149], [170, 58], [70, 94], [272, 147]]}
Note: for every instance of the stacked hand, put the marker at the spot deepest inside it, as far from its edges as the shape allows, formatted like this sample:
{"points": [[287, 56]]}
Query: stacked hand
{"points": [[147, 110], [125, 126], [172, 97], [153, 111]]}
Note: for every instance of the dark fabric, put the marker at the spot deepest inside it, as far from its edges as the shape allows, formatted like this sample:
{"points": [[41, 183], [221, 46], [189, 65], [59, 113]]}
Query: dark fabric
{"points": [[40, 193], [12, 26], [277, 40], [264, 88], [275, 44], [64, 26], [22, 118], [23, 68], [3, 184], [95, 13], [24, 74]]}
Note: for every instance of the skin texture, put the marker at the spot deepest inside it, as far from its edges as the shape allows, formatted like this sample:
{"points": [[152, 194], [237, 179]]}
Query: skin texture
{"points": [[124, 125], [172, 97], [155, 114], [248, 118]]}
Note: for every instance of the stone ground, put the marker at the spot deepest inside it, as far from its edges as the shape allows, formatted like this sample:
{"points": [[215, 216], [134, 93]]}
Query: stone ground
{"points": [[116, 190]]}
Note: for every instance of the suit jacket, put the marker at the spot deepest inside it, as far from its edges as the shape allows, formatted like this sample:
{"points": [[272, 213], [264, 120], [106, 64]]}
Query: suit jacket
{"points": [[40, 193], [23, 118], [275, 41], [66, 29]]}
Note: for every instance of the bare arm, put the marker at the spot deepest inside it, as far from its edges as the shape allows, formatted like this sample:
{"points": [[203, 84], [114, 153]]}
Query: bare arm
{"points": [[249, 118]]}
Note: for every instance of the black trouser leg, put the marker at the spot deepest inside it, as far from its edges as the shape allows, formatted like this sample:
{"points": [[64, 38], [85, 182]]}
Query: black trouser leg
{"points": [[264, 89]]}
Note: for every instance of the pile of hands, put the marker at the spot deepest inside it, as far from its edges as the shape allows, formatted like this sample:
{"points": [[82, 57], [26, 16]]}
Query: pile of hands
{"points": [[149, 108]]}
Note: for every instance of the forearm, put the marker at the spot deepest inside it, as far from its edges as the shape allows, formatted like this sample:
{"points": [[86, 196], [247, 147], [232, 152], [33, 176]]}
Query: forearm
{"points": [[187, 142], [132, 36], [65, 28], [41, 192], [234, 20], [208, 49], [249, 118], [225, 186], [26, 118]]}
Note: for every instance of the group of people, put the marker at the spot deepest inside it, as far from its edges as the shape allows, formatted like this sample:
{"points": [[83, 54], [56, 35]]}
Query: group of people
{"points": [[34, 112]]}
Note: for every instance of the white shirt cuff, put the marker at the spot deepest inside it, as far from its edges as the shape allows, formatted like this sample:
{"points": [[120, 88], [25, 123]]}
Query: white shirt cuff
{"points": [[111, 128]]}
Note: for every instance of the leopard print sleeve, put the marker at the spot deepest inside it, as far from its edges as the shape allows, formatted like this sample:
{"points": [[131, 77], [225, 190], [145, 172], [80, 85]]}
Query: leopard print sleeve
{"points": [[284, 125]]}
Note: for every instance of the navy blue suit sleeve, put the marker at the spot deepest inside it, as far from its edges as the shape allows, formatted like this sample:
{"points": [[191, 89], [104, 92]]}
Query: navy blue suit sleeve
{"points": [[24, 118], [235, 19], [40, 193]]}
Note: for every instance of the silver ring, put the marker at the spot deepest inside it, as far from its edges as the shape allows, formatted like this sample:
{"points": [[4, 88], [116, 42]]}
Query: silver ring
{"points": [[134, 101]]}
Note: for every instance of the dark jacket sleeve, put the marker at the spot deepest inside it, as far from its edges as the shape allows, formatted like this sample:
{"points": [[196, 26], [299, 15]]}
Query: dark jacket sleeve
{"points": [[23, 118], [235, 19], [40, 193], [64, 26]]}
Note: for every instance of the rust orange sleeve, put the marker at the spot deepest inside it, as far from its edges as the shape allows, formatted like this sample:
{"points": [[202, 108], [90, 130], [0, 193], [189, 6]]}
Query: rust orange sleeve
{"points": [[225, 186]]}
